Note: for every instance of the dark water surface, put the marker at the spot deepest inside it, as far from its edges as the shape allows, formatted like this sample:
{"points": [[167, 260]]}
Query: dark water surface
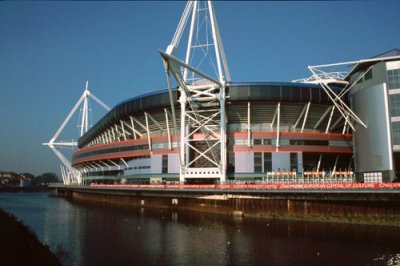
{"points": [[103, 235]]}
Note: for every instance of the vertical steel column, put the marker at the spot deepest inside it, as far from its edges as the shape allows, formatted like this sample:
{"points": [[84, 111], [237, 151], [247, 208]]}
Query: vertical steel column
{"points": [[216, 46], [84, 122], [182, 101], [148, 131], [172, 104], [223, 165], [330, 120], [116, 130], [323, 116], [278, 126], [203, 151], [168, 132], [319, 162], [299, 117], [114, 163], [274, 117], [345, 125], [123, 129], [109, 137], [63, 175], [106, 136], [305, 117], [190, 40], [248, 125], [113, 134], [126, 165], [334, 166], [133, 128]]}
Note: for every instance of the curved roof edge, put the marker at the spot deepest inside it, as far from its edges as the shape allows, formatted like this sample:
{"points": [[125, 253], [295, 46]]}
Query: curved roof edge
{"points": [[240, 91], [151, 93], [273, 83], [232, 83]]}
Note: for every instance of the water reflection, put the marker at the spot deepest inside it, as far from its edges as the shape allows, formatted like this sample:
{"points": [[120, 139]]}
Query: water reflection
{"points": [[103, 235]]}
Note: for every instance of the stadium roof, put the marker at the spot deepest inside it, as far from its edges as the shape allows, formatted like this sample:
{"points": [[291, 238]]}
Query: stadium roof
{"points": [[238, 91]]}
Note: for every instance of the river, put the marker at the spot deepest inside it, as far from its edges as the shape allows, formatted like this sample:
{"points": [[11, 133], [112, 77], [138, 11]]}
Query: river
{"points": [[103, 235]]}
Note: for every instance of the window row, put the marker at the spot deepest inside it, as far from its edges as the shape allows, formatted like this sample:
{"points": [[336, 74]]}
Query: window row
{"points": [[396, 133], [111, 150], [393, 78]]}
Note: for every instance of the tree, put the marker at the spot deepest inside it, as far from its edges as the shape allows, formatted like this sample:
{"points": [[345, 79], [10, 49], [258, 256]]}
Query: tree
{"points": [[45, 179]]}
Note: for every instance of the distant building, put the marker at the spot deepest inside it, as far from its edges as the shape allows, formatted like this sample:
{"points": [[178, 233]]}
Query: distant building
{"points": [[6, 175], [25, 183], [9, 178]]}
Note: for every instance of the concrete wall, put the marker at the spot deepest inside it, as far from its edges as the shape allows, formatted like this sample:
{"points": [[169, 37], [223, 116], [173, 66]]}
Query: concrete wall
{"points": [[372, 146], [244, 162], [150, 165], [371, 208], [280, 161], [173, 163]]}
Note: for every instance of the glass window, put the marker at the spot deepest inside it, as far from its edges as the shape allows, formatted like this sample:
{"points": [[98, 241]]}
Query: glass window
{"points": [[231, 162], [368, 75], [257, 162], [393, 78], [395, 105], [111, 150], [309, 142], [267, 142], [293, 162], [267, 162], [396, 133], [284, 142], [257, 142], [165, 164]]}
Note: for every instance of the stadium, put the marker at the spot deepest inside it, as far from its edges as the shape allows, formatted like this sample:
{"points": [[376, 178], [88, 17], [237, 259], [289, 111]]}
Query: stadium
{"points": [[274, 130], [208, 129]]}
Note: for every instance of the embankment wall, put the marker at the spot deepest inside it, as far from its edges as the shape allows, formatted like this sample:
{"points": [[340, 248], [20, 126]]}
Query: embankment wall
{"points": [[365, 208]]}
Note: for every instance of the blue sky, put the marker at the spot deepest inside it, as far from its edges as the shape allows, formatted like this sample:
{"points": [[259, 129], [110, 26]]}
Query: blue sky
{"points": [[49, 49]]}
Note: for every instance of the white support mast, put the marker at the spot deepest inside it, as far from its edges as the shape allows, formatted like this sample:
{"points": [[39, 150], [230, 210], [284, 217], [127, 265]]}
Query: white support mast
{"points": [[68, 173], [325, 78], [85, 111], [202, 143]]}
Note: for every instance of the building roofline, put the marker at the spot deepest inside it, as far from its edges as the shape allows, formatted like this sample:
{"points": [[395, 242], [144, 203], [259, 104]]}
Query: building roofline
{"points": [[368, 62]]}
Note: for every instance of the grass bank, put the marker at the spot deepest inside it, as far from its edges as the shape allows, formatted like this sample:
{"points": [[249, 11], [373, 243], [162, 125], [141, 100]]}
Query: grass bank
{"points": [[20, 246]]}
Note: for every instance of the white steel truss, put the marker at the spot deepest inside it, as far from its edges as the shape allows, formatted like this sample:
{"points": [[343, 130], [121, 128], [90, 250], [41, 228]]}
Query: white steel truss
{"points": [[202, 142], [68, 173], [349, 116], [325, 76]]}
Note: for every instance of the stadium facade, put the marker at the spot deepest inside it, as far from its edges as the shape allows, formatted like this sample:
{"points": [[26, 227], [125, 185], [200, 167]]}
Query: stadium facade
{"points": [[332, 127], [274, 130]]}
